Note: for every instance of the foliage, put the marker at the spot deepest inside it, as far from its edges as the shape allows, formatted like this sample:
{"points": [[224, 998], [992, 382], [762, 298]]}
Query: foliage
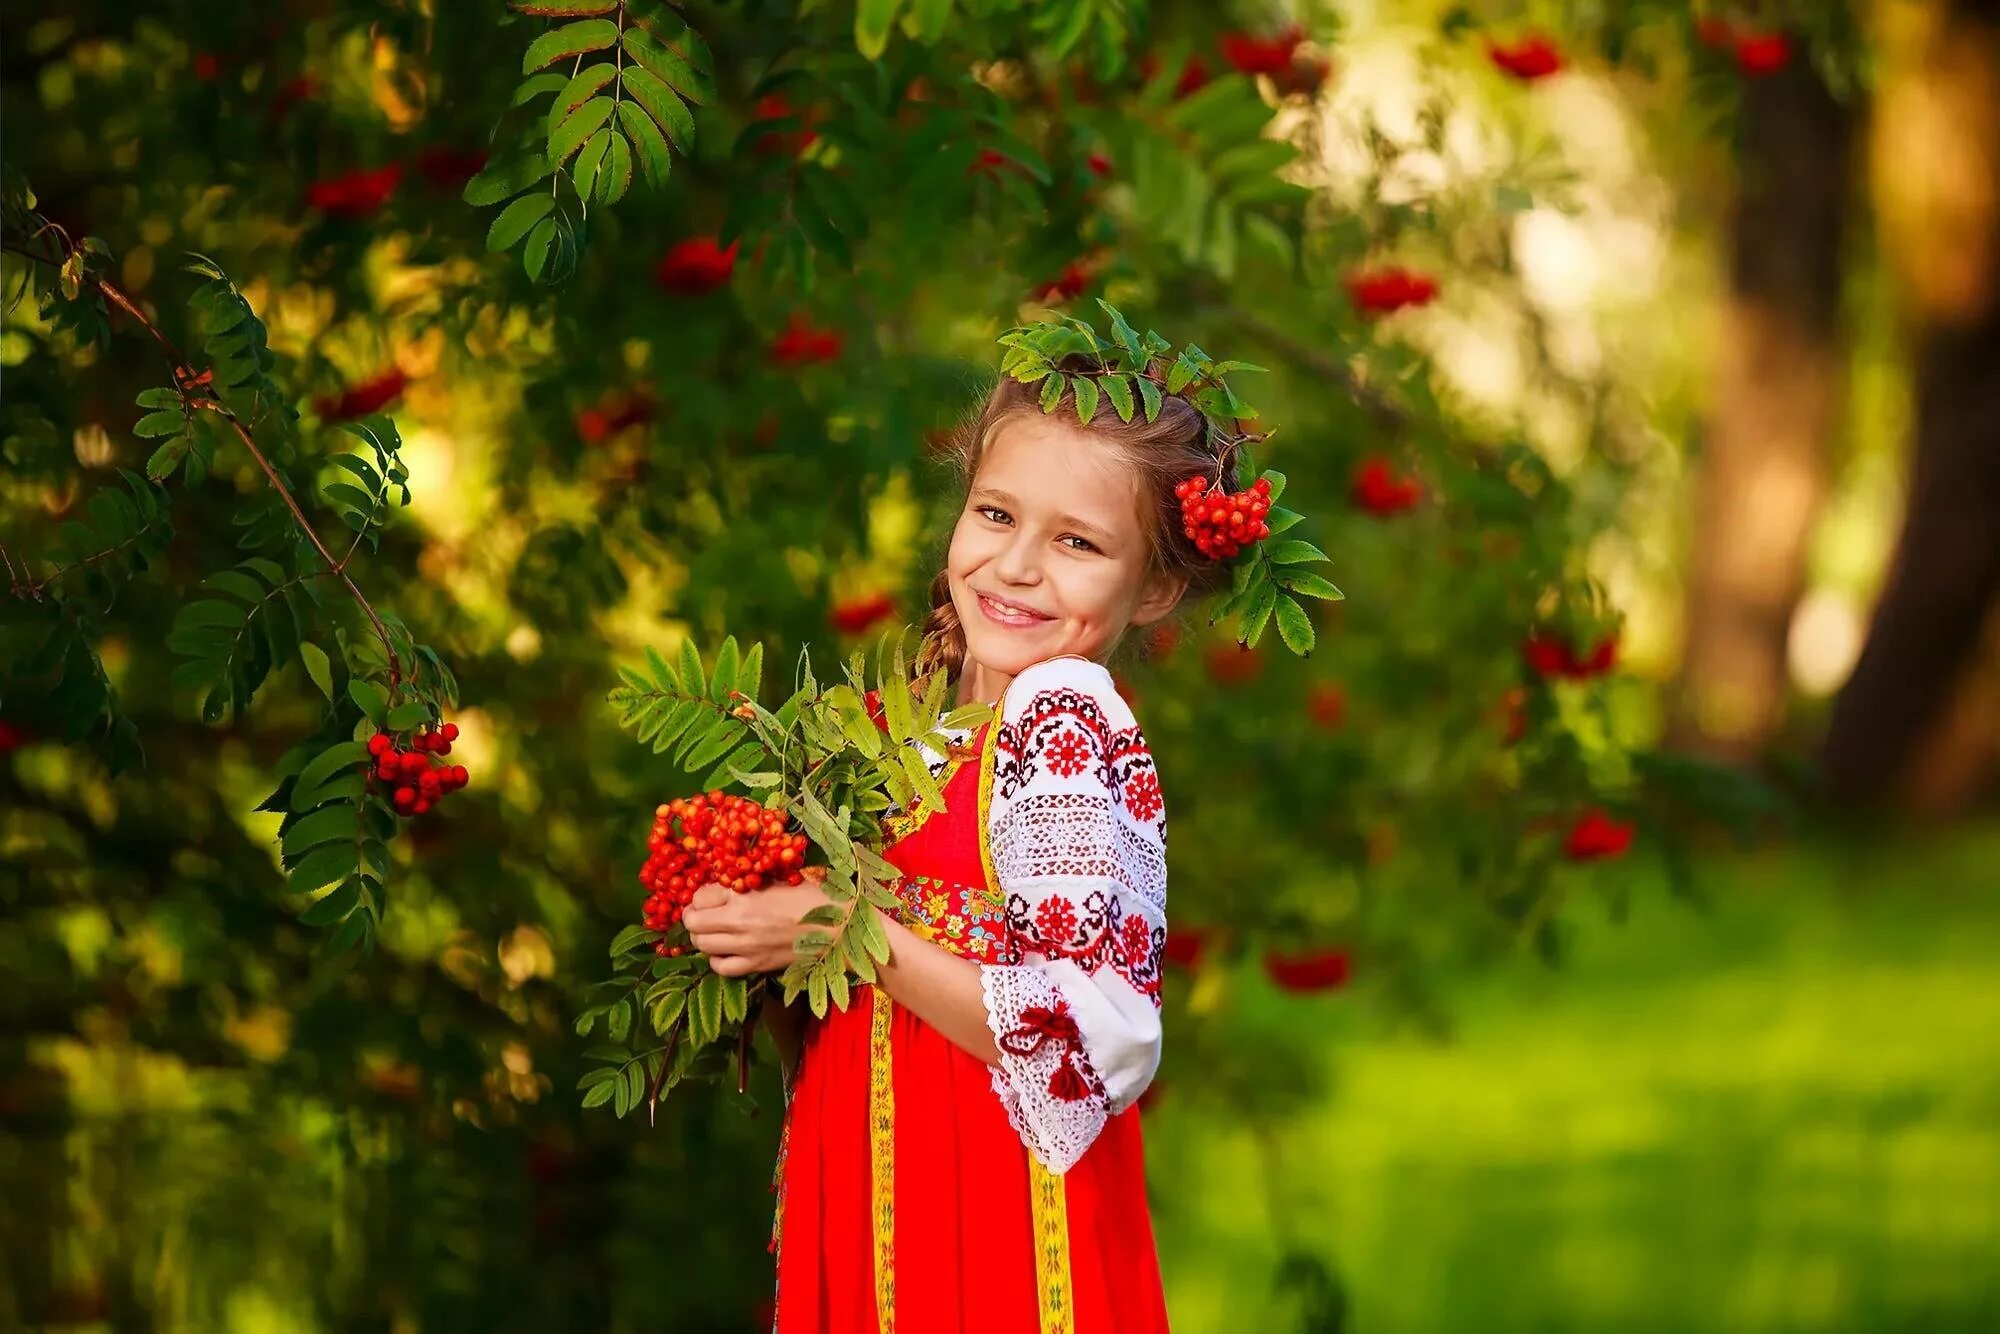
{"points": [[542, 467], [820, 759]]}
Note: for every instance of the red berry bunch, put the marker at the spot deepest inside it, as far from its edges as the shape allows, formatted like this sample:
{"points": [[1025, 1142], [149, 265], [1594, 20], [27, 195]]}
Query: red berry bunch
{"points": [[713, 838], [1220, 524], [412, 778]]}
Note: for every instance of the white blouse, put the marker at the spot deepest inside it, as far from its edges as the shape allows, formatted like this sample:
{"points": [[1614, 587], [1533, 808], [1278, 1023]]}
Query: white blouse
{"points": [[1078, 835]]}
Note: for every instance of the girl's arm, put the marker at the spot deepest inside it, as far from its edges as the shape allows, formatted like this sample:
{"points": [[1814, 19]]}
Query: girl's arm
{"points": [[937, 986], [754, 933]]}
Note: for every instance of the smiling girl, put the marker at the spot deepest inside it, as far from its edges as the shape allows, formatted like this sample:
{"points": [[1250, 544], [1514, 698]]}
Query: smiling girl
{"points": [[962, 1150]]}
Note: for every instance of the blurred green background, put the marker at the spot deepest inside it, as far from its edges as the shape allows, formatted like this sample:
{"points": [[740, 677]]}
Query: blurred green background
{"points": [[1597, 931]]}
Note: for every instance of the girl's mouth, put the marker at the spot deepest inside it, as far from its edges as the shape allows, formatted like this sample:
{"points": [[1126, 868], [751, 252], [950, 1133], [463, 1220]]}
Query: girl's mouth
{"points": [[1014, 618]]}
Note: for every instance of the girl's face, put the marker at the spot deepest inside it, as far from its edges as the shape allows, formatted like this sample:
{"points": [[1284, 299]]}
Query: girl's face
{"points": [[1049, 556]]}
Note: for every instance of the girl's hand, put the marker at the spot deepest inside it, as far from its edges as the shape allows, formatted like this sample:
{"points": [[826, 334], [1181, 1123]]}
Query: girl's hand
{"points": [[752, 932]]}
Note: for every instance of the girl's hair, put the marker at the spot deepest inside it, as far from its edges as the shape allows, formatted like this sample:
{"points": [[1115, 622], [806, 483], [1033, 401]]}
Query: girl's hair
{"points": [[1177, 445]]}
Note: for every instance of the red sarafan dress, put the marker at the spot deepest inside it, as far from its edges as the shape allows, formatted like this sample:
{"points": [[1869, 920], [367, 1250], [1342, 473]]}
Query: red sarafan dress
{"points": [[923, 1190]]}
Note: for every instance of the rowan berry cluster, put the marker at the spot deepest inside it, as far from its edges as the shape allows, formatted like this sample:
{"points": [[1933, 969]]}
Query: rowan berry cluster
{"points": [[413, 779], [1220, 524], [714, 838]]}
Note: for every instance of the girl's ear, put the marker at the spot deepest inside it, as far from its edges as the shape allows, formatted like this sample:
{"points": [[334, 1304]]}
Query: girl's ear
{"points": [[1161, 595]]}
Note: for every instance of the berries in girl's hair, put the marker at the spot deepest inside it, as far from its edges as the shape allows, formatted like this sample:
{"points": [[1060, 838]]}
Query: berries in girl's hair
{"points": [[1221, 524]]}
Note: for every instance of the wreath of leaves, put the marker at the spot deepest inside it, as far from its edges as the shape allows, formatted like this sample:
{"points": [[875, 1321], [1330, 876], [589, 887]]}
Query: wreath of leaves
{"points": [[1136, 373]]}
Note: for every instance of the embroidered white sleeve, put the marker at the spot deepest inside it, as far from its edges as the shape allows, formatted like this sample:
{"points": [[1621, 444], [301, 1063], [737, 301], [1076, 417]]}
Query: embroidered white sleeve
{"points": [[1078, 836]]}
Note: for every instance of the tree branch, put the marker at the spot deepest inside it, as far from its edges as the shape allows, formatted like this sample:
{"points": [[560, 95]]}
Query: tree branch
{"points": [[184, 379]]}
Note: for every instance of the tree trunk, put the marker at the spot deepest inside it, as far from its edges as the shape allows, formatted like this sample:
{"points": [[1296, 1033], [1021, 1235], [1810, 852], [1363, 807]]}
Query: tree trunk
{"points": [[1923, 645], [1781, 373]]}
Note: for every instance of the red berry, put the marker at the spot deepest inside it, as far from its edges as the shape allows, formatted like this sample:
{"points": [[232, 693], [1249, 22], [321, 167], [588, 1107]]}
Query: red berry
{"points": [[406, 796], [451, 731], [380, 744]]}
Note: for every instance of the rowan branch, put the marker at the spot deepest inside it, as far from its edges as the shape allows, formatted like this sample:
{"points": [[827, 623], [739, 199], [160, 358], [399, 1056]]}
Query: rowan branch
{"points": [[185, 378]]}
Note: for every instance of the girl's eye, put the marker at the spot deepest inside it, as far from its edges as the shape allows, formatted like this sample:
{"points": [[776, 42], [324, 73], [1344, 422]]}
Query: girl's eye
{"points": [[1082, 544], [991, 512]]}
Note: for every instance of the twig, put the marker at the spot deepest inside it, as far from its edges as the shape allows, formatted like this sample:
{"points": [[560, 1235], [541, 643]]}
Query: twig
{"points": [[1316, 360], [184, 375]]}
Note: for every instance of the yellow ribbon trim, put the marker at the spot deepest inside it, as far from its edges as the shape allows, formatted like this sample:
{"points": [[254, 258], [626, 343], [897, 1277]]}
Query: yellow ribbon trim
{"points": [[882, 1160], [1046, 1192]]}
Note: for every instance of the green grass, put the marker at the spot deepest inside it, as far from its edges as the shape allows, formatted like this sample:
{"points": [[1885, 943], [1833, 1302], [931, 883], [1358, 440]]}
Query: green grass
{"points": [[1782, 1114]]}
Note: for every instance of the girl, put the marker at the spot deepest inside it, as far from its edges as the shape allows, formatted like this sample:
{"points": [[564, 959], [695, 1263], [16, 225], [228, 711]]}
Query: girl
{"points": [[962, 1150]]}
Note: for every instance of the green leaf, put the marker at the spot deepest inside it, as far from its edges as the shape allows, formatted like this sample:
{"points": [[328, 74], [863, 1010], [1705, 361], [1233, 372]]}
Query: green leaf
{"points": [[334, 906], [735, 999], [669, 65], [510, 175], [1295, 627], [1281, 518], [630, 938], [693, 683], [584, 170], [921, 778], [723, 737], [872, 21], [663, 675], [750, 680], [663, 105], [212, 612], [405, 716], [1150, 392], [328, 762], [571, 39], [535, 254], [577, 91], [329, 824], [317, 666], [154, 424], [705, 1011], [372, 698], [570, 136], [158, 398], [722, 679], [515, 219], [1052, 389], [614, 174], [1308, 584], [1126, 336], [166, 458], [1258, 614], [655, 161], [1086, 397], [322, 866], [602, 1093], [1294, 552], [1119, 390]]}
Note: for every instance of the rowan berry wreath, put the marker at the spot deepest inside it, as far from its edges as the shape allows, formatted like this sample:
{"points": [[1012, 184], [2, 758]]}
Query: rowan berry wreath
{"points": [[1228, 515]]}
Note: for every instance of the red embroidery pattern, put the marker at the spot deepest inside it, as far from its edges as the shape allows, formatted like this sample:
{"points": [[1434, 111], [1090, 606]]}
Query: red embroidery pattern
{"points": [[1096, 933], [1066, 731], [1142, 796]]}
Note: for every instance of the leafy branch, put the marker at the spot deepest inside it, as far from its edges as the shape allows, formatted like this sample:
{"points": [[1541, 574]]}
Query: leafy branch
{"points": [[834, 765]]}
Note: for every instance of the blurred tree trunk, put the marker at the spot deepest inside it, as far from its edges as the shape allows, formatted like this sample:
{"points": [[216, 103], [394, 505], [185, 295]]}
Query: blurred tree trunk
{"points": [[1907, 722], [1781, 376]]}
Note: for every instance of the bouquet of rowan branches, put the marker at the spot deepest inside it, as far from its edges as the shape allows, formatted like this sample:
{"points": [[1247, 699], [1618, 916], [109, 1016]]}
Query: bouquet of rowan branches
{"points": [[805, 785]]}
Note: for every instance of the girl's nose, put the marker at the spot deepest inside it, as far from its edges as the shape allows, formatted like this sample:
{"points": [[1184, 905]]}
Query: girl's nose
{"points": [[1018, 562]]}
